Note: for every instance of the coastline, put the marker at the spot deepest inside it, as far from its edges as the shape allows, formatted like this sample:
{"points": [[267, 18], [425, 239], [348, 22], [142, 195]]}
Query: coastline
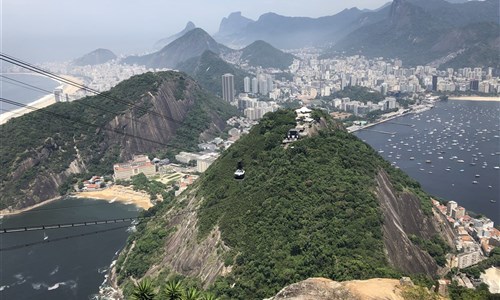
{"points": [[117, 193], [112, 194], [474, 98], [7, 212], [42, 102]]}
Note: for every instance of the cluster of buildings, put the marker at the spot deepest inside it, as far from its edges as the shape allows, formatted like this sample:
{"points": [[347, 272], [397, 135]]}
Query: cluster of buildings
{"points": [[94, 183], [254, 109], [359, 108], [326, 76], [98, 77], [203, 160], [261, 84], [475, 238], [138, 164], [466, 79]]}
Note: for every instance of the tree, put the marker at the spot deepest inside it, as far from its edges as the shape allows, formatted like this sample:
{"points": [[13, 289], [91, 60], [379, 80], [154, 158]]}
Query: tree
{"points": [[143, 291], [192, 294], [173, 290], [209, 296]]}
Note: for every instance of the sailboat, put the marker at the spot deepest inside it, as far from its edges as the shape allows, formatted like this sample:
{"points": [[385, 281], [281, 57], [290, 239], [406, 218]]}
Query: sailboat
{"points": [[45, 236]]}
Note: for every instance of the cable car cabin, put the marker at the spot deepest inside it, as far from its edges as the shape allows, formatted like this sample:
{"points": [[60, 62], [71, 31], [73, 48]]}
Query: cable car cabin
{"points": [[240, 173], [293, 134]]}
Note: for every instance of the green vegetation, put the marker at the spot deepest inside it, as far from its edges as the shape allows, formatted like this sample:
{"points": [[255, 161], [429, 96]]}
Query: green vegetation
{"points": [[42, 143], [200, 116], [461, 293], [50, 140], [260, 53], [154, 188], [436, 247], [208, 69], [492, 261], [143, 291], [358, 93], [303, 211], [147, 242], [173, 290]]}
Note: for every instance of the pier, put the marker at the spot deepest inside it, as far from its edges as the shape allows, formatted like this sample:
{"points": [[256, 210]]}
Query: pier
{"points": [[402, 124], [378, 131]]}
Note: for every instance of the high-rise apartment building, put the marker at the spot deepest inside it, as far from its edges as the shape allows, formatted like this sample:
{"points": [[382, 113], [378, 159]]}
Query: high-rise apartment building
{"points": [[246, 84], [228, 87]]}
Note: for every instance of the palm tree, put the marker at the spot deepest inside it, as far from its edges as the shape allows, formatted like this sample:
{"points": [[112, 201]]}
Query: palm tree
{"points": [[192, 294], [173, 290], [209, 296], [143, 291]]}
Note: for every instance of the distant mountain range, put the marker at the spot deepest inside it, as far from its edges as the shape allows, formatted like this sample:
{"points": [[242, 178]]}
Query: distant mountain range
{"points": [[286, 32], [417, 31], [433, 32], [96, 57], [422, 31], [165, 41], [182, 52], [191, 44]]}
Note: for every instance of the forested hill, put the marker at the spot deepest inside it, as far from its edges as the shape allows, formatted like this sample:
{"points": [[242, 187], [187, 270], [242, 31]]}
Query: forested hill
{"points": [[327, 205], [43, 151]]}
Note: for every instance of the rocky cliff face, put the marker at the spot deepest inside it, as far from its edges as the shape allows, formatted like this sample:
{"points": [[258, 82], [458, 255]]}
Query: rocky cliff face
{"points": [[58, 148], [403, 217], [185, 253]]}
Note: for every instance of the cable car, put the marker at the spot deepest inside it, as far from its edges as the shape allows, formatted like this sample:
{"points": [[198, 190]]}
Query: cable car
{"points": [[239, 173]]}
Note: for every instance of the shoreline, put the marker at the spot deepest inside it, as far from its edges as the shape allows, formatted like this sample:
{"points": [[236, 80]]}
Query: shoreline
{"points": [[474, 98], [42, 102], [117, 193], [7, 212], [123, 195]]}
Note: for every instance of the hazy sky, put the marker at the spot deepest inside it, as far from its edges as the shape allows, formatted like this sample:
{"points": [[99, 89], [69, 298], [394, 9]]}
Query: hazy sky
{"points": [[39, 30]]}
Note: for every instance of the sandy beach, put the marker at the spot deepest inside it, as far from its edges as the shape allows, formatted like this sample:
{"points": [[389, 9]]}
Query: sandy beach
{"points": [[120, 194], [42, 102], [474, 98], [116, 193], [492, 278]]}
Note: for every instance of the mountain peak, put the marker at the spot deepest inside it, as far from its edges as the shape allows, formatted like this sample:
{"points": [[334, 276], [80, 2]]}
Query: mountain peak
{"points": [[96, 57], [165, 41], [192, 44], [190, 26], [233, 23]]}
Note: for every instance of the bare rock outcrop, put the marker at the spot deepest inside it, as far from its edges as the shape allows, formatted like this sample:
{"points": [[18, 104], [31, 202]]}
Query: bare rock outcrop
{"points": [[326, 289], [403, 217], [185, 254]]}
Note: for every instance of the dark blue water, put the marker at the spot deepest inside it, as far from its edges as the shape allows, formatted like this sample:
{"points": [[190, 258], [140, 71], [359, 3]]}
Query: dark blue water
{"points": [[15, 91], [72, 262], [439, 140]]}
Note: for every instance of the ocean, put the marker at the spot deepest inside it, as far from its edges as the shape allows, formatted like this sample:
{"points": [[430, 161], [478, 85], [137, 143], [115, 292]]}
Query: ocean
{"points": [[15, 91], [71, 263], [453, 150]]}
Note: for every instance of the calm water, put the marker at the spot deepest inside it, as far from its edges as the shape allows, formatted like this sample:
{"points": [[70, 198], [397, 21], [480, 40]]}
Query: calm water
{"points": [[72, 262], [17, 92], [432, 149]]}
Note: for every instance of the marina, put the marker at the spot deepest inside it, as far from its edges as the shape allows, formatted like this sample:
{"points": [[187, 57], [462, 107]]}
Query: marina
{"points": [[452, 150]]}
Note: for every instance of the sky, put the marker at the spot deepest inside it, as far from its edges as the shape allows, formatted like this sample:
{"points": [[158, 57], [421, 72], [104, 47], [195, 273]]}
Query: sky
{"points": [[51, 30]]}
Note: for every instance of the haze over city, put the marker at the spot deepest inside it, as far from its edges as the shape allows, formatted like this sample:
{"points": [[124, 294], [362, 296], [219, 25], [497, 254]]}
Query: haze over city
{"points": [[63, 30]]}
